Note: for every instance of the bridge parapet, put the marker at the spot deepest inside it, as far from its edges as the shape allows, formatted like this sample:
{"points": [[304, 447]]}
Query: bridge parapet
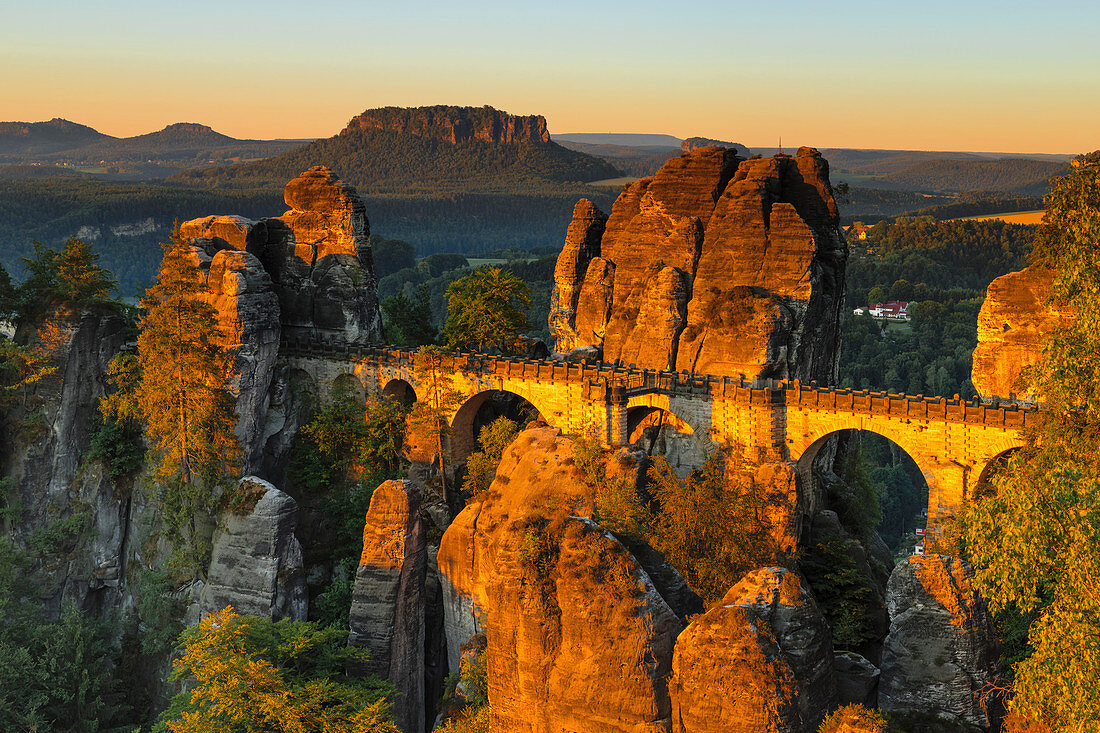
{"points": [[617, 384]]}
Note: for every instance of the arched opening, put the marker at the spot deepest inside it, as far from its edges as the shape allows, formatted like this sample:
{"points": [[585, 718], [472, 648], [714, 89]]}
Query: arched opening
{"points": [[872, 483], [662, 432], [400, 390], [482, 409], [982, 485], [348, 387]]}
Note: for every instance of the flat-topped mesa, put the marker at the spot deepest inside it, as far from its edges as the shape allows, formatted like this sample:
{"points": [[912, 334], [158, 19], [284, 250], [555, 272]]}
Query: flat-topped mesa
{"points": [[694, 143], [317, 254], [454, 124], [716, 265], [1014, 325]]}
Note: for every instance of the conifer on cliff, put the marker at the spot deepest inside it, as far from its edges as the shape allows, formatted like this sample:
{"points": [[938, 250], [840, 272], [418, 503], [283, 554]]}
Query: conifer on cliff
{"points": [[182, 398]]}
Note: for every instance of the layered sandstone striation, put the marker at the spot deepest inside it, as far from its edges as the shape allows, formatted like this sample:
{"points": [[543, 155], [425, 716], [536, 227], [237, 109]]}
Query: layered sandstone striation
{"points": [[1014, 325], [578, 635], [256, 562], [716, 264], [388, 604], [941, 654], [760, 660], [454, 124]]}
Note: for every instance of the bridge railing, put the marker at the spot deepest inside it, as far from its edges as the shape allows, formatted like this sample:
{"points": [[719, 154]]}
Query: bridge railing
{"points": [[618, 383]]}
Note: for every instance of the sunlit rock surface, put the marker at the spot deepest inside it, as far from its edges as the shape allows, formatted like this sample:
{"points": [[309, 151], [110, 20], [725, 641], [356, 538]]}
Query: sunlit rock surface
{"points": [[941, 652], [716, 264], [1014, 325], [760, 660]]}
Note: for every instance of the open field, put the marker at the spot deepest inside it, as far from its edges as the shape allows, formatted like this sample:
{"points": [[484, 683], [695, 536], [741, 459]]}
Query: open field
{"points": [[614, 182], [1011, 217]]}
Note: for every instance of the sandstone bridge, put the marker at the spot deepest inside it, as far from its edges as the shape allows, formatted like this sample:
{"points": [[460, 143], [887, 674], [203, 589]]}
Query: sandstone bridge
{"points": [[952, 441]]}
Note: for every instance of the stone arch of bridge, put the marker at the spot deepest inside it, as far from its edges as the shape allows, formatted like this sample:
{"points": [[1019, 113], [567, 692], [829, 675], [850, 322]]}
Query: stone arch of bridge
{"points": [[463, 441], [400, 389], [806, 452]]}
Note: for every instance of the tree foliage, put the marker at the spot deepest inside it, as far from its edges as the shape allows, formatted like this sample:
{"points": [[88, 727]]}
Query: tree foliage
{"points": [[408, 322], [245, 674], [485, 309], [176, 388], [1034, 538], [481, 466], [69, 280]]}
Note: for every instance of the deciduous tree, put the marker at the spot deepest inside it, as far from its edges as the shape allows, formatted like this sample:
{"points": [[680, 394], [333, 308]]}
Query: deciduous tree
{"points": [[1035, 537]]}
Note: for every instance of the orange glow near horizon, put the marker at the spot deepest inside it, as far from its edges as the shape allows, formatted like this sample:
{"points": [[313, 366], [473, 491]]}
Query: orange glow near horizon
{"points": [[986, 77]]}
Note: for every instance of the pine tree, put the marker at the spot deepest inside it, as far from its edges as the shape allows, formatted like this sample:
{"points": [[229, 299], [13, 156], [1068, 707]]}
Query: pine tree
{"points": [[182, 398], [485, 309]]}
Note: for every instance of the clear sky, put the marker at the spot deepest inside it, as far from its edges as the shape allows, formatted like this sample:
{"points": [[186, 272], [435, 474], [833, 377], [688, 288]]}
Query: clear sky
{"points": [[989, 75]]}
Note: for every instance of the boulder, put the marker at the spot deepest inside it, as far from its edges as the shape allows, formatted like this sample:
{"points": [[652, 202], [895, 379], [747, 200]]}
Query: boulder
{"points": [[856, 680], [941, 651], [760, 660], [1014, 325], [388, 600], [716, 265], [578, 636], [256, 562]]}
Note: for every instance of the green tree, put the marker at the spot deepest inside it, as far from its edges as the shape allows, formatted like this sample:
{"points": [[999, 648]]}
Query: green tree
{"points": [[409, 322], [1034, 538], [481, 466], [69, 279], [245, 674], [485, 309], [182, 399], [8, 299], [438, 399]]}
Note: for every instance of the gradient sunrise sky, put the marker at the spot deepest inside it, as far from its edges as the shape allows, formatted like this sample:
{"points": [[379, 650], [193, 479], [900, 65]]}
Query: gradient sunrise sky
{"points": [[944, 75]]}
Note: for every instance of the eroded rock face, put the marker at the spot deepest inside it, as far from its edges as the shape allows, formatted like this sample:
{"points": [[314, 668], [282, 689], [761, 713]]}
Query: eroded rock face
{"points": [[387, 607], [317, 256], [716, 264], [45, 459], [582, 243], [247, 308], [454, 124], [256, 563], [941, 650], [578, 637], [1014, 325], [760, 660]]}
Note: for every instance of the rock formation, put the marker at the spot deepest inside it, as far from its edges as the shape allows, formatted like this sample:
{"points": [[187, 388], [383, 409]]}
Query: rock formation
{"points": [[247, 308], [256, 563], [317, 255], [942, 649], [694, 143], [454, 124], [388, 605], [760, 660], [1013, 327], [578, 636], [716, 264], [51, 481]]}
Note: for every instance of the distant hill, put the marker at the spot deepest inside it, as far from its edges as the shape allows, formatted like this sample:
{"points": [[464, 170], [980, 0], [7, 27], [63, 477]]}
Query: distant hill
{"points": [[627, 139], [1011, 175], [436, 151], [30, 139], [185, 143]]}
